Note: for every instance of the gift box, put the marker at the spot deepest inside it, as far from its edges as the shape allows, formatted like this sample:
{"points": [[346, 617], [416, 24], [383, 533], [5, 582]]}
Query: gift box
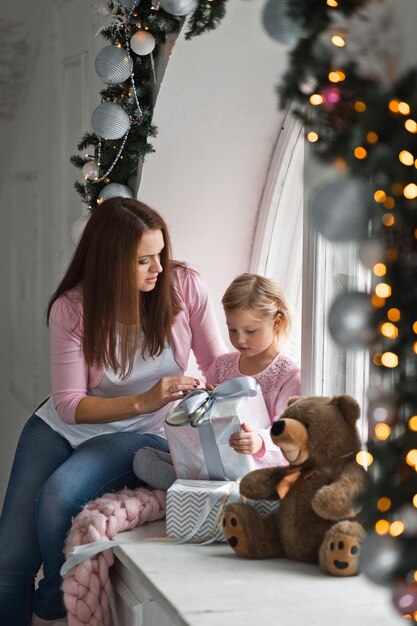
{"points": [[195, 509], [199, 442]]}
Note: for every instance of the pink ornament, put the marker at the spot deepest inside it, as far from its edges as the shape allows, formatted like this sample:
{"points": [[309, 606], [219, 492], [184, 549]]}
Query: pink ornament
{"points": [[331, 97]]}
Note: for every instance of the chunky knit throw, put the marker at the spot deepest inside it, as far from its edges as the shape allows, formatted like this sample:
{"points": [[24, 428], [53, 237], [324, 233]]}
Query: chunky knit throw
{"points": [[87, 586]]}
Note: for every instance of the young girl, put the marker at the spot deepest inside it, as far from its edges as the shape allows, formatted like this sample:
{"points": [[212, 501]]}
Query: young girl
{"points": [[258, 320]]}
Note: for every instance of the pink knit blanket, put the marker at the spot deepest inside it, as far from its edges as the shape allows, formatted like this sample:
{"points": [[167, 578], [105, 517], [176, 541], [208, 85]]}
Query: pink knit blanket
{"points": [[87, 586]]}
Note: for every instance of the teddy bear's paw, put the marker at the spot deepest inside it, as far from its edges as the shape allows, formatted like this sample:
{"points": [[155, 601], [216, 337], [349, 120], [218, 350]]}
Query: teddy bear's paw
{"points": [[330, 503], [235, 532], [340, 552]]}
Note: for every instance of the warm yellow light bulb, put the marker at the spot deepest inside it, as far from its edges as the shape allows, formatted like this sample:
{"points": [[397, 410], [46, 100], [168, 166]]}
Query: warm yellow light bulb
{"points": [[411, 458], [412, 423], [410, 191], [360, 152], [404, 108], [360, 106], [411, 126], [380, 269], [382, 431], [336, 76], [406, 157], [316, 99], [372, 137], [312, 136], [396, 528], [415, 347], [382, 527], [394, 315], [388, 219], [389, 359], [376, 359], [389, 330], [364, 458], [415, 327], [332, 3], [338, 41], [393, 105], [383, 504], [415, 500], [389, 202], [380, 195], [383, 290], [377, 302]]}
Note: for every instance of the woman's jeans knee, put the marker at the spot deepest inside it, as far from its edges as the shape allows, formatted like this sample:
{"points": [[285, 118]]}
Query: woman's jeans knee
{"points": [[49, 484]]}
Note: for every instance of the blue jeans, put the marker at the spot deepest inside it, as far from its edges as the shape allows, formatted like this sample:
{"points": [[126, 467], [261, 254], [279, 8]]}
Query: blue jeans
{"points": [[49, 484]]}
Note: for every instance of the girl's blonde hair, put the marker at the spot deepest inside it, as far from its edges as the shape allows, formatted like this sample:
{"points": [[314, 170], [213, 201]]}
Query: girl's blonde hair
{"points": [[251, 291]]}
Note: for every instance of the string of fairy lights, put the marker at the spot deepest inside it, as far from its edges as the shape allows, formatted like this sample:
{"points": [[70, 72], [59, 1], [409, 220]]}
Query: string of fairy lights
{"points": [[368, 131]]}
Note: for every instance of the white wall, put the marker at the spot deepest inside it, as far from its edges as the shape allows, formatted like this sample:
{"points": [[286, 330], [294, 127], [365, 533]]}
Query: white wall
{"points": [[218, 120]]}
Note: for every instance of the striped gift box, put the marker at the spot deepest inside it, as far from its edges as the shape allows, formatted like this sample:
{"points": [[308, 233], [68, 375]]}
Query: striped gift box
{"points": [[195, 509]]}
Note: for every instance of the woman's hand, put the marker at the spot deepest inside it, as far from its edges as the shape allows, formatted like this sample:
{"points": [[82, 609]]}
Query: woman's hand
{"points": [[246, 442], [167, 389]]}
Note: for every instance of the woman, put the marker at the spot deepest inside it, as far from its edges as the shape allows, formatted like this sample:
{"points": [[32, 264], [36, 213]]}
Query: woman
{"points": [[122, 323]]}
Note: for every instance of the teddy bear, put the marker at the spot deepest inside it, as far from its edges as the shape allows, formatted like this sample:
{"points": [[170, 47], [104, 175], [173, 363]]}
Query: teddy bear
{"points": [[316, 519]]}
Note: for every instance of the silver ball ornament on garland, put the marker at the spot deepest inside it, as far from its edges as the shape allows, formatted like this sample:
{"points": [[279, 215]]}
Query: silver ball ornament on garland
{"points": [[339, 209], [379, 558], [110, 120], [91, 170], [142, 43], [77, 228], [350, 320], [307, 85], [371, 252], [178, 7], [113, 64], [277, 23], [114, 190]]}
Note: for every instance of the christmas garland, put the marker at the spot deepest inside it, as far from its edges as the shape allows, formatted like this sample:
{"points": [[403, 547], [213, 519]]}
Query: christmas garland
{"points": [[361, 116], [122, 124]]}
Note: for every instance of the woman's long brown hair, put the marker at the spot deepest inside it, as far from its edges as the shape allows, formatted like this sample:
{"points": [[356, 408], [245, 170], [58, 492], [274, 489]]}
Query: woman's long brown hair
{"points": [[114, 312]]}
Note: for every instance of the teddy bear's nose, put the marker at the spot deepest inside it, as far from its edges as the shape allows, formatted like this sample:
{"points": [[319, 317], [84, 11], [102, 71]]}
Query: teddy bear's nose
{"points": [[277, 427]]}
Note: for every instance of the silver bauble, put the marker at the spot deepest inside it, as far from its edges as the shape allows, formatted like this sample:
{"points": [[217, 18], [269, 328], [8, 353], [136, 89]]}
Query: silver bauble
{"points": [[110, 121], [379, 557], [113, 64], [142, 42], [277, 23], [91, 170], [77, 228], [114, 190], [339, 209], [350, 320], [178, 7], [128, 4]]}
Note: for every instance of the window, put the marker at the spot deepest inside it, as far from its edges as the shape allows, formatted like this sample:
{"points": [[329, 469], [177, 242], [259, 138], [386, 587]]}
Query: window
{"points": [[311, 270]]}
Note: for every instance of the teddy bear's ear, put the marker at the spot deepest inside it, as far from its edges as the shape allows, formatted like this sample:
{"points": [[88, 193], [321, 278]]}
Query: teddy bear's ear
{"points": [[348, 407], [292, 400]]}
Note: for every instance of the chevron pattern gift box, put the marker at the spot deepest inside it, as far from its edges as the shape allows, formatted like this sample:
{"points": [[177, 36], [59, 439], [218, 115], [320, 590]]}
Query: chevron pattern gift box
{"points": [[198, 430], [195, 509]]}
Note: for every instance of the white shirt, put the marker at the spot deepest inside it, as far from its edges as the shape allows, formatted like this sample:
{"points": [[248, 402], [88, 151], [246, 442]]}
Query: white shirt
{"points": [[145, 374]]}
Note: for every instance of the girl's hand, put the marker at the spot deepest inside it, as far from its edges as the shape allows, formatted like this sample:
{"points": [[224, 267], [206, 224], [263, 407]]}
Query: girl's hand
{"points": [[167, 389], [246, 442]]}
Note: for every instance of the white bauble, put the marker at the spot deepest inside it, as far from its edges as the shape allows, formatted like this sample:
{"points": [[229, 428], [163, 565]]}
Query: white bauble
{"points": [[178, 7], [91, 170], [113, 64], [110, 121], [77, 228], [142, 42], [114, 190]]}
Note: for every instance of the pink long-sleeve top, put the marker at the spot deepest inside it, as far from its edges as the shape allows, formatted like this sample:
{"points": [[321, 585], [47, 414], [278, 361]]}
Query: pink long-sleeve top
{"points": [[278, 382], [195, 328]]}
